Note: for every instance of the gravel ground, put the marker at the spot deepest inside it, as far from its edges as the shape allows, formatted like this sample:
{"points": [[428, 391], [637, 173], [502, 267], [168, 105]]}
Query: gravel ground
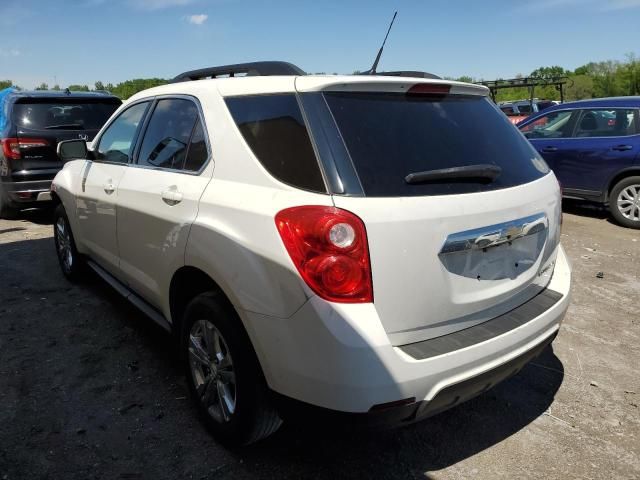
{"points": [[90, 388]]}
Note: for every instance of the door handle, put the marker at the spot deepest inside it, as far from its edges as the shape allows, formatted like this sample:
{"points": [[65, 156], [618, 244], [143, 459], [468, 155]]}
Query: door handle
{"points": [[622, 148], [109, 188], [549, 149], [171, 197]]}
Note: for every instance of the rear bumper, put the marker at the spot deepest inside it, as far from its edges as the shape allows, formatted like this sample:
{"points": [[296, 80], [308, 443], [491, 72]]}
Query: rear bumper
{"points": [[339, 357], [23, 194], [395, 415]]}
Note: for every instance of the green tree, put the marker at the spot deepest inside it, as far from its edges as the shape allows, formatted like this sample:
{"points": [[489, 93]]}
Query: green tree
{"points": [[580, 87], [549, 73], [99, 85], [56, 87], [128, 88], [78, 88], [42, 86], [5, 84]]}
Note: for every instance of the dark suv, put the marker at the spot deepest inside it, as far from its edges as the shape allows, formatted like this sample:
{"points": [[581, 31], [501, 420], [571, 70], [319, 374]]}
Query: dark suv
{"points": [[31, 125]]}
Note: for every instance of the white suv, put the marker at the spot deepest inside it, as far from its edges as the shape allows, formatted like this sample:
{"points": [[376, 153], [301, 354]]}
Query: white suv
{"points": [[363, 248]]}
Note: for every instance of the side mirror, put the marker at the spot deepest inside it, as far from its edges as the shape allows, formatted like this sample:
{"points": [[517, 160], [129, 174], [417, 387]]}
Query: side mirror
{"points": [[72, 150]]}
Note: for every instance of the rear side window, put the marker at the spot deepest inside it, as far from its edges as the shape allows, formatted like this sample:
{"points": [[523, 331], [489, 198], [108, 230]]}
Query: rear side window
{"points": [[606, 123], [167, 136], [273, 127], [391, 135], [64, 115], [197, 154], [524, 108]]}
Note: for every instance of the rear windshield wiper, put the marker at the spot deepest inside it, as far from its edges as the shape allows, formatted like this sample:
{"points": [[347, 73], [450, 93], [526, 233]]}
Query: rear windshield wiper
{"points": [[64, 126], [483, 173]]}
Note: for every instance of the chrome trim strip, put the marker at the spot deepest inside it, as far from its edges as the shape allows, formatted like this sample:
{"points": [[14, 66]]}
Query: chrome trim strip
{"points": [[494, 235]]}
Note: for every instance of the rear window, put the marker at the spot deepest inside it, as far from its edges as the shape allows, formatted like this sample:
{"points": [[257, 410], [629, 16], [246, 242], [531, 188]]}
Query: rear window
{"points": [[64, 115], [273, 127], [391, 135]]}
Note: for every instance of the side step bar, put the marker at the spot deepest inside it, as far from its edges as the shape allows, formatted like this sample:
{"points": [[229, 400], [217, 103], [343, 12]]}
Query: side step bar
{"points": [[123, 290]]}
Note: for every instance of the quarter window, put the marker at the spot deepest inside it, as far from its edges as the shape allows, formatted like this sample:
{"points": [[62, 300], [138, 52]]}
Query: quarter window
{"points": [[197, 154], [117, 140], [167, 136], [273, 127], [553, 125], [606, 123]]}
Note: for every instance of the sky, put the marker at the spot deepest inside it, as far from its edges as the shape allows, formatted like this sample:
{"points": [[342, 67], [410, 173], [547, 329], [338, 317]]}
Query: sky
{"points": [[83, 41]]}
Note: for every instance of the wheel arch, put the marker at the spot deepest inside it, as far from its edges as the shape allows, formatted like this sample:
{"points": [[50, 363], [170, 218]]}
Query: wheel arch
{"points": [[188, 282], [628, 172]]}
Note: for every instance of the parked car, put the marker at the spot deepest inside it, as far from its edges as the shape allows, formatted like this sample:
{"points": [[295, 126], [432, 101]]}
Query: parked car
{"points": [[593, 147], [519, 110], [355, 248], [31, 125]]}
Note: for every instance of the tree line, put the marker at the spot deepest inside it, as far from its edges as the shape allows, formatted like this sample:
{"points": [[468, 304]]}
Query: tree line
{"points": [[123, 90], [594, 80]]}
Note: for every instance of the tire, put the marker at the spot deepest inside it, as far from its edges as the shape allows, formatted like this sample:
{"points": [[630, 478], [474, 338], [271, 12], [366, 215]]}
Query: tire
{"points": [[624, 202], [71, 262], [231, 393]]}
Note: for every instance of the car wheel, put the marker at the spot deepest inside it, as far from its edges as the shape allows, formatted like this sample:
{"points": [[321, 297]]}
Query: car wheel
{"points": [[624, 202], [70, 261], [224, 376]]}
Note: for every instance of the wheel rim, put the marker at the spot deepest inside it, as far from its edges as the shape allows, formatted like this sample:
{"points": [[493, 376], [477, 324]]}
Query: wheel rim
{"points": [[629, 202], [63, 239], [212, 371]]}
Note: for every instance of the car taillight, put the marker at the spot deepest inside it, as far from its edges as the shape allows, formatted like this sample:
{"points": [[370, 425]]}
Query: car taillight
{"points": [[12, 147], [329, 248]]}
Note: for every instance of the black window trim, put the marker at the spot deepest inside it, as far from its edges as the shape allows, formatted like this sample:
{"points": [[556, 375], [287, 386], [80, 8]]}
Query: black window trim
{"points": [[149, 114], [136, 137], [328, 190]]}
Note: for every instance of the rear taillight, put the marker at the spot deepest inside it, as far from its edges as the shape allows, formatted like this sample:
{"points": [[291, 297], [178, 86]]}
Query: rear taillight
{"points": [[12, 147], [329, 248]]}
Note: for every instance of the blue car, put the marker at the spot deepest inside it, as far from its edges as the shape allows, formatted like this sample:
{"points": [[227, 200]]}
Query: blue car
{"points": [[593, 147]]}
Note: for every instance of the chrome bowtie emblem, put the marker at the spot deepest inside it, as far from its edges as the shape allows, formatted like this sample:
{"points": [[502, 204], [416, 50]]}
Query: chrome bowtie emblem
{"points": [[494, 235]]}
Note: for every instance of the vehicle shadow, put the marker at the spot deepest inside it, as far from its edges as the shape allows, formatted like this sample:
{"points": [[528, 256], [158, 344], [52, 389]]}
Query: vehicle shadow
{"points": [[39, 216], [430, 445], [586, 209]]}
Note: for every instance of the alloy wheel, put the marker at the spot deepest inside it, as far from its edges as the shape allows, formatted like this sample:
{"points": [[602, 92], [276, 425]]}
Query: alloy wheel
{"points": [[628, 202], [63, 240], [212, 370]]}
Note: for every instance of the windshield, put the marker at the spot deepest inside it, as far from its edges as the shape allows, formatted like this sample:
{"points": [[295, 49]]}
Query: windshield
{"points": [[390, 136], [65, 115]]}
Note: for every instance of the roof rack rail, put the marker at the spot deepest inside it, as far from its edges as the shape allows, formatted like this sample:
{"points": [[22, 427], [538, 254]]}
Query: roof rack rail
{"points": [[410, 73], [248, 69]]}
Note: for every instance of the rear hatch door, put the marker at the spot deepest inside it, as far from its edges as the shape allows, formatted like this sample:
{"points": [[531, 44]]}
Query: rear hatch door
{"points": [[43, 122], [447, 251]]}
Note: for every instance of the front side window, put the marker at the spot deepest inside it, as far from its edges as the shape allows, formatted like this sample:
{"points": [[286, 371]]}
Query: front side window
{"points": [[606, 123], [167, 136], [553, 125], [273, 127], [117, 140]]}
